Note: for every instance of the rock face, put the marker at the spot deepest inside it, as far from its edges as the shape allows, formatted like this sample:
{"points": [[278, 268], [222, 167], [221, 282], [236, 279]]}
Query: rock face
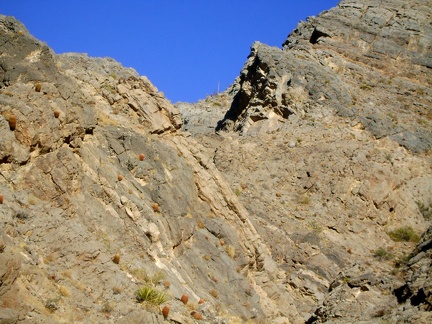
{"points": [[417, 290], [304, 209], [86, 221], [370, 62], [327, 143]]}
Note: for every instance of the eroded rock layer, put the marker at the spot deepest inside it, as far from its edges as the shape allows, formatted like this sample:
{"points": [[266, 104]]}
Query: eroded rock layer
{"points": [[308, 208], [101, 195], [369, 61]]}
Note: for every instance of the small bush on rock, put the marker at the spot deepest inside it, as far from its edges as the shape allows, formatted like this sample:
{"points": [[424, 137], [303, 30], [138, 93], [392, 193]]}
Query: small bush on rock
{"points": [[184, 299], [382, 254], [230, 250], [404, 234], [214, 293], [116, 259], [151, 295], [197, 316]]}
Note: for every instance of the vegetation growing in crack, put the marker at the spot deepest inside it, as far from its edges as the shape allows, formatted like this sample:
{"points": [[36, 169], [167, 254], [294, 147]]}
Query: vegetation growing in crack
{"points": [[151, 295], [382, 254], [404, 234]]}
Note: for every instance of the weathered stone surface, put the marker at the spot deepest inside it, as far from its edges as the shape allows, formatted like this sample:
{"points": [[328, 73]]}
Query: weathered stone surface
{"points": [[282, 223], [327, 183], [369, 61], [417, 291], [126, 92], [67, 213], [202, 116], [355, 294]]}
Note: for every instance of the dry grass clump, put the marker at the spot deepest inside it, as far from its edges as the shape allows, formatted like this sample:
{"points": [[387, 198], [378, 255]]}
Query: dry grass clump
{"points": [[64, 291], [404, 234], [382, 254], [230, 250], [200, 224], [151, 295], [425, 210], [214, 293]]}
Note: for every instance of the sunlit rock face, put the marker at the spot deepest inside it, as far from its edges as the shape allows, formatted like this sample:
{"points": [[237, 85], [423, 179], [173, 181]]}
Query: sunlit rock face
{"points": [[299, 194]]}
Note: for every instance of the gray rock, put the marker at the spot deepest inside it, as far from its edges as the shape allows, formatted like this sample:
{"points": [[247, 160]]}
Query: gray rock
{"points": [[64, 173], [261, 225], [331, 60]]}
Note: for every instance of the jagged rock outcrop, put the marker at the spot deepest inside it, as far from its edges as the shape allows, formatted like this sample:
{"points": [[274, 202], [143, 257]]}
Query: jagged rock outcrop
{"points": [[86, 220], [288, 221], [324, 195], [274, 85], [354, 293], [125, 91], [202, 116], [416, 293], [345, 165], [370, 61]]}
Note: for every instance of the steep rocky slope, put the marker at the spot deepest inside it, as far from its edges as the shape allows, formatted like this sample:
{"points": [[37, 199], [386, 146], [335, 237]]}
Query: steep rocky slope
{"points": [[327, 143], [298, 209], [370, 61], [86, 220]]}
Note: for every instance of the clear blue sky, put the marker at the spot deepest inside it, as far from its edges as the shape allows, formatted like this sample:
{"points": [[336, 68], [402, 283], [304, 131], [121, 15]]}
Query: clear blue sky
{"points": [[184, 47]]}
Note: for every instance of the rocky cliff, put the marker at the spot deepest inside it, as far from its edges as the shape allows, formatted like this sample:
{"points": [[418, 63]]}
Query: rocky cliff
{"points": [[369, 61], [327, 143], [102, 195], [306, 206]]}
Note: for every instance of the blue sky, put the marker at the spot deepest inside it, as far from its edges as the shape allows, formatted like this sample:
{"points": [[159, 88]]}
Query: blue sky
{"points": [[186, 48]]}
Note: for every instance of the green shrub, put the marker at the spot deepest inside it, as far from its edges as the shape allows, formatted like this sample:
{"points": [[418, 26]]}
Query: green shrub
{"points": [[404, 234], [382, 254], [151, 295]]}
